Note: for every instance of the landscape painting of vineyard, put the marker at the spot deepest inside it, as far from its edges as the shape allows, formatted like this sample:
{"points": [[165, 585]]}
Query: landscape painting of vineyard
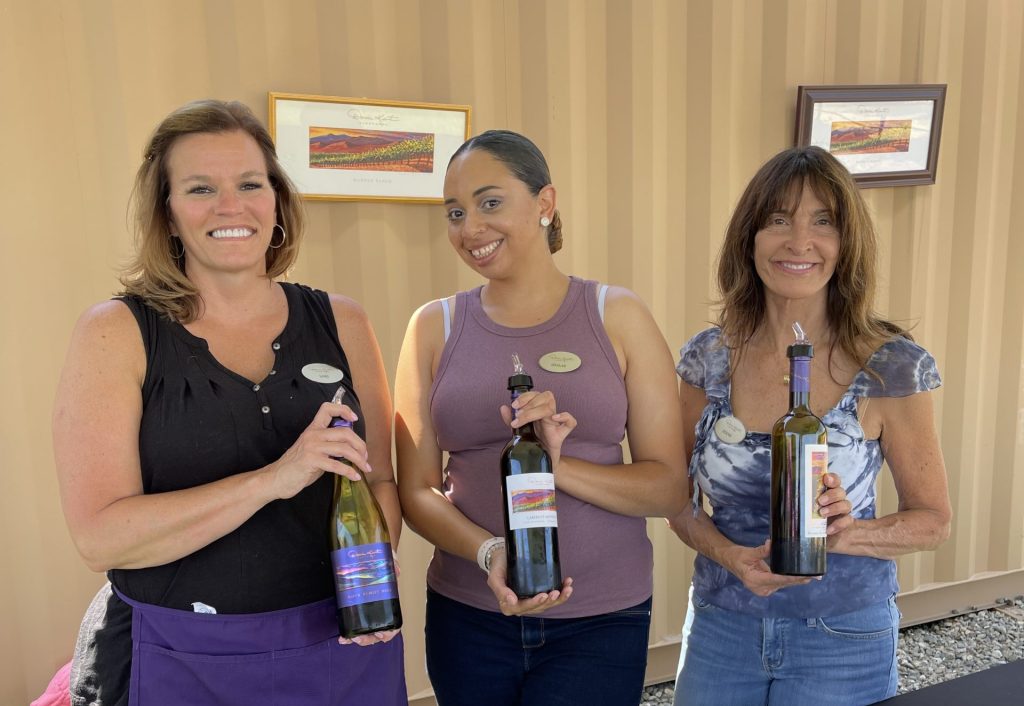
{"points": [[371, 150], [870, 136], [533, 499]]}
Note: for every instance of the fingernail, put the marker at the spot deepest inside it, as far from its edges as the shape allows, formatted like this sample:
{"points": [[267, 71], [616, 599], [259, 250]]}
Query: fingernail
{"points": [[369, 467]]}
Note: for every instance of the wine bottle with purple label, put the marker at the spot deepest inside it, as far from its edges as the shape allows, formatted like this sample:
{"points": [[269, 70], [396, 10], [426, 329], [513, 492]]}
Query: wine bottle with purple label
{"points": [[531, 517], [799, 462], [364, 570]]}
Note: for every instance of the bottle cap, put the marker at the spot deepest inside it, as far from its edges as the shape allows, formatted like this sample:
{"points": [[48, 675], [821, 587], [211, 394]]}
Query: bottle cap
{"points": [[800, 350], [520, 380]]}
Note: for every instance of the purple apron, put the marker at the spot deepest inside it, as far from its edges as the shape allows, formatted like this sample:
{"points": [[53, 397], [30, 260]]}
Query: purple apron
{"points": [[286, 657]]}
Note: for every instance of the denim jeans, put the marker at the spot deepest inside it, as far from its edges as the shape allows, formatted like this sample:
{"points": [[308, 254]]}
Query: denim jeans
{"points": [[481, 657], [731, 658]]}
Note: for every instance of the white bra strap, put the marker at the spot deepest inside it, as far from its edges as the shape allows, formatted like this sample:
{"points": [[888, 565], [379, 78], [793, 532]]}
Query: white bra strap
{"points": [[447, 319], [601, 294]]}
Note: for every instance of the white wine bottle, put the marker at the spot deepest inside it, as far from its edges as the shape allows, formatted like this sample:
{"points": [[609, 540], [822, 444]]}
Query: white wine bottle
{"points": [[799, 462], [531, 516], [364, 568]]}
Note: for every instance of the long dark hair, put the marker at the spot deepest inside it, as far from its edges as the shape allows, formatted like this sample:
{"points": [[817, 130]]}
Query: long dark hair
{"points": [[857, 330]]}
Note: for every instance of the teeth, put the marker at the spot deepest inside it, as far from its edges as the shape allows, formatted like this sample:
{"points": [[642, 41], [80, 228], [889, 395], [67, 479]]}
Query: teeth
{"points": [[797, 266], [485, 250], [232, 233]]}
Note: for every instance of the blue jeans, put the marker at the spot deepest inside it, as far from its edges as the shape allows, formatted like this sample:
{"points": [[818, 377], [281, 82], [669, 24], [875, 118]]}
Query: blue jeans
{"points": [[481, 657], [731, 658]]}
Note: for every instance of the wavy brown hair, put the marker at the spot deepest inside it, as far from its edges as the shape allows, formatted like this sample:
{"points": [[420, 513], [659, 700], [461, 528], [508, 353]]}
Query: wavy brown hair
{"points": [[156, 272], [856, 330]]}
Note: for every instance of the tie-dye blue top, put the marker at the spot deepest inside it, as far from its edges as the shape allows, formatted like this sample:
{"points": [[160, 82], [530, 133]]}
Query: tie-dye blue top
{"points": [[736, 479]]}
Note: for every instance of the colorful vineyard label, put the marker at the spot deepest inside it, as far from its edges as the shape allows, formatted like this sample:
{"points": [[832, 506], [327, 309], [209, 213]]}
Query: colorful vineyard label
{"points": [[815, 466], [531, 500], [364, 574]]}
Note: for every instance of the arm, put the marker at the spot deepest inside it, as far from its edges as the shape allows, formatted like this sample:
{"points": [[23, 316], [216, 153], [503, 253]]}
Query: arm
{"points": [[654, 483], [428, 512], [911, 448], [96, 447], [363, 352]]}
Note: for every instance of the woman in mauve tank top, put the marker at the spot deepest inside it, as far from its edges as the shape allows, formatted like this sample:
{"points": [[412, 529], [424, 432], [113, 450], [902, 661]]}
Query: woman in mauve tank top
{"points": [[601, 368]]}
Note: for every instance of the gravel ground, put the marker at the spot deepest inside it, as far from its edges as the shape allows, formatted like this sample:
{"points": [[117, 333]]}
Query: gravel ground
{"points": [[939, 651]]}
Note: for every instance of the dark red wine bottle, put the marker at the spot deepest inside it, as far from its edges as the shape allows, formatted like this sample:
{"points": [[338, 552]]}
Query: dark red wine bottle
{"points": [[531, 517], [799, 462]]}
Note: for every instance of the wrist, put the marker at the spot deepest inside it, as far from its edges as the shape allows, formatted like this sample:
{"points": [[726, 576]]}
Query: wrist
{"points": [[723, 556], [487, 550]]}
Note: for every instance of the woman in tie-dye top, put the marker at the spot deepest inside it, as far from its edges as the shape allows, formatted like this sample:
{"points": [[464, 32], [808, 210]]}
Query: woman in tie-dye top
{"points": [[801, 247]]}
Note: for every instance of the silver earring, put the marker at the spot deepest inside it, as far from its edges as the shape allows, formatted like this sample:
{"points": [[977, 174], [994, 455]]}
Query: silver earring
{"points": [[545, 221], [284, 236], [177, 255]]}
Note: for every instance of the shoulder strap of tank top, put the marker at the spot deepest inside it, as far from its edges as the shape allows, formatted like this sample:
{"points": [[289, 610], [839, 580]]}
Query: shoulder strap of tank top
{"points": [[447, 318]]}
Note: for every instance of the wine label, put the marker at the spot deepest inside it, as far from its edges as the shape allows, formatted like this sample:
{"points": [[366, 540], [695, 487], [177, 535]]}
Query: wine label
{"points": [[730, 430], [531, 500], [364, 574], [321, 372], [560, 362], [815, 466]]}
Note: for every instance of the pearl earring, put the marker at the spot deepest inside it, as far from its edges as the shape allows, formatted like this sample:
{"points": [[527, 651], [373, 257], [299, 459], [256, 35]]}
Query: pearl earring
{"points": [[545, 221]]}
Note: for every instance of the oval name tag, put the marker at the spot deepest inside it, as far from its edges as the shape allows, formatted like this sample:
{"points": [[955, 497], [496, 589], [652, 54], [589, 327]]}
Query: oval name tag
{"points": [[560, 362], [730, 430], [321, 372]]}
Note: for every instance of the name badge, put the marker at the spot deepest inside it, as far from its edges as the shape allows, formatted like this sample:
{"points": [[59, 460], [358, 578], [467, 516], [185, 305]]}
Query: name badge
{"points": [[730, 430], [321, 372], [560, 362]]}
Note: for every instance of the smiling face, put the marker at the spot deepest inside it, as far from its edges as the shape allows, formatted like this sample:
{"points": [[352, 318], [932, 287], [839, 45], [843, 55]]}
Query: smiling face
{"points": [[221, 203], [493, 219], [795, 252]]}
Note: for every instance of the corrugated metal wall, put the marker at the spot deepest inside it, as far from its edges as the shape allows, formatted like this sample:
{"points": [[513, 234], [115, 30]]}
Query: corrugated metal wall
{"points": [[653, 114]]}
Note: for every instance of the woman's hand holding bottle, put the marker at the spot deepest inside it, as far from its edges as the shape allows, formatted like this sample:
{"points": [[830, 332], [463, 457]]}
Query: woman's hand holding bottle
{"points": [[317, 451]]}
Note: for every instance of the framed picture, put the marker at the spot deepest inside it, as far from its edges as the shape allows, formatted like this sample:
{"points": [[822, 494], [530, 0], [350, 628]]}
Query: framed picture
{"points": [[357, 149], [885, 135]]}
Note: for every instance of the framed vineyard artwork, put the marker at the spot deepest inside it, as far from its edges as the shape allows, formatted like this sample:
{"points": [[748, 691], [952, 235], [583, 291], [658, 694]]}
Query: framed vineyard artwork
{"points": [[885, 135], [357, 149]]}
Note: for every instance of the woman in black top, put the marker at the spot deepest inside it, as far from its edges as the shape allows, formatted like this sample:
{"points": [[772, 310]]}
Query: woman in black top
{"points": [[192, 442]]}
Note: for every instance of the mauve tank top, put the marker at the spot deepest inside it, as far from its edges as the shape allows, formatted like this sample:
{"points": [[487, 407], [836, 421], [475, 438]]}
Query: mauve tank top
{"points": [[608, 555]]}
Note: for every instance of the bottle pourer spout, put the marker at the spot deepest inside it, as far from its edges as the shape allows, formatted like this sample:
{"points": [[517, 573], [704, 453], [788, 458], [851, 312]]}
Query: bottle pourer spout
{"points": [[340, 394], [798, 333]]}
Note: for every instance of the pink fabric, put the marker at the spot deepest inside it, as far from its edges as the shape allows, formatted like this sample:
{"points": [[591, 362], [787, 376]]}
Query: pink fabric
{"points": [[58, 693]]}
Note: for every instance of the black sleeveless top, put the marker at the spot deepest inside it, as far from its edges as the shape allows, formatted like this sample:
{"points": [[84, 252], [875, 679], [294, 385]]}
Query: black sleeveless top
{"points": [[202, 422]]}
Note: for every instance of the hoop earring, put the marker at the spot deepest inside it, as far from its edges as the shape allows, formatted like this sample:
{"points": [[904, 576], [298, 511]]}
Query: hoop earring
{"points": [[177, 255], [284, 236]]}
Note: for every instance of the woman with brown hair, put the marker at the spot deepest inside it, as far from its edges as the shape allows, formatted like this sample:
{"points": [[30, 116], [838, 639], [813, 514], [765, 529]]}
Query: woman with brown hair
{"points": [[193, 451], [801, 247]]}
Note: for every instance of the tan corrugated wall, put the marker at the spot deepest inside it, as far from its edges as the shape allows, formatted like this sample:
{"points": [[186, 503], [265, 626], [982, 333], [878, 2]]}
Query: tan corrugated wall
{"points": [[653, 114]]}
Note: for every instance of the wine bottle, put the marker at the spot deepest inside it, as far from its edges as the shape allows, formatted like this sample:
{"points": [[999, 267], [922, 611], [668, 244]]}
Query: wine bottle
{"points": [[799, 462], [531, 517], [364, 570]]}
